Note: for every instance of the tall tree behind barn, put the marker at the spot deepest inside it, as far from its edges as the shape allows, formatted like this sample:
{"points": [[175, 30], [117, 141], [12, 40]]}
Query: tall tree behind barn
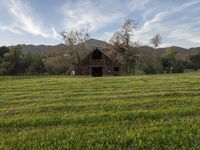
{"points": [[97, 64]]}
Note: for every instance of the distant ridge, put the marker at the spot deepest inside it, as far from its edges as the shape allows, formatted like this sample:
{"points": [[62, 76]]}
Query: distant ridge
{"points": [[93, 43], [41, 49]]}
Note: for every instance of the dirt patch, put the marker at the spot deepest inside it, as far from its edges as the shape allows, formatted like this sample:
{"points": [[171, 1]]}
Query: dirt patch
{"points": [[11, 112]]}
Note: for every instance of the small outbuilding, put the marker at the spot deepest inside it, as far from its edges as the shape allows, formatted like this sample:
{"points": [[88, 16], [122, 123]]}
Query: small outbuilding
{"points": [[97, 64]]}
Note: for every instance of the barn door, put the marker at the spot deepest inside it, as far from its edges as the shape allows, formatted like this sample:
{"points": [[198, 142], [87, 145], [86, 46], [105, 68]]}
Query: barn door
{"points": [[97, 71]]}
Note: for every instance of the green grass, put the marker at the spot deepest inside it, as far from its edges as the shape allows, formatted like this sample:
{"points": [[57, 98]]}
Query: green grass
{"points": [[137, 112]]}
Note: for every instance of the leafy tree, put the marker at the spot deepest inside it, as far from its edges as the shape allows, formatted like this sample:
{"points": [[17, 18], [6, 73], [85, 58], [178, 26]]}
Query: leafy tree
{"points": [[3, 50], [169, 59], [151, 63], [57, 65], [13, 61], [178, 67], [34, 64], [195, 61], [17, 63]]}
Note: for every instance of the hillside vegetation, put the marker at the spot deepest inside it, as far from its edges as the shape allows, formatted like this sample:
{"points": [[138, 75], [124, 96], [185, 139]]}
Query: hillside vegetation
{"points": [[93, 43], [133, 112]]}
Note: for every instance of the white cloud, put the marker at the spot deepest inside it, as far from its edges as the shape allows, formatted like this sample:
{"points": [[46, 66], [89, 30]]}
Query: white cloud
{"points": [[150, 28], [10, 29], [86, 14], [55, 33], [106, 36], [26, 20], [95, 15], [186, 34], [184, 6], [137, 4], [148, 25], [179, 30]]}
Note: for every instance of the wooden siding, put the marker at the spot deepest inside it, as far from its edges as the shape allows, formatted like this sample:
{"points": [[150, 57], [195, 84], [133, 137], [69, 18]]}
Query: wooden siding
{"points": [[107, 65]]}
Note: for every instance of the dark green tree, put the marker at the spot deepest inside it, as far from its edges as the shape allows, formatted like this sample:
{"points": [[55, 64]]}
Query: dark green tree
{"points": [[169, 59], [195, 61], [13, 61], [34, 64]]}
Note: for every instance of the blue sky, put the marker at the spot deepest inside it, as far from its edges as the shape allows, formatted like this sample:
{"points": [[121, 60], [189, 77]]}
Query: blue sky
{"points": [[40, 21]]}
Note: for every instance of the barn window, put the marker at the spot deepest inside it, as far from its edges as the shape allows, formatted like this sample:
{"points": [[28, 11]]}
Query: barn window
{"points": [[97, 55]]}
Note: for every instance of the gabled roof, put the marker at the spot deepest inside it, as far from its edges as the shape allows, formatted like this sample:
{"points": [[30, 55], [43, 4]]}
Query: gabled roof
{"points": [[97, 49]]}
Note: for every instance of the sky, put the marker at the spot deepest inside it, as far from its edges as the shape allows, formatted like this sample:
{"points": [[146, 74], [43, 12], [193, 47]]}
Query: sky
{"points": [[40, 21]]}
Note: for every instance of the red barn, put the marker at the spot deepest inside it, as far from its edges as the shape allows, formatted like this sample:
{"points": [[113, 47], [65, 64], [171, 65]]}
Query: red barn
{"points": [[97, 64]]}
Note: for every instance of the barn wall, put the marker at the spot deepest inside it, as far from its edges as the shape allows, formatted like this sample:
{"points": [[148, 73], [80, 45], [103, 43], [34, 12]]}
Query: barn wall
{"points": [[106, 63]]}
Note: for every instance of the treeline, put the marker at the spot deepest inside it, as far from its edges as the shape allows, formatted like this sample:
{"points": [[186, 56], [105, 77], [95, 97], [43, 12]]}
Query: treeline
{"points": [[14, 62], [167, 62]]}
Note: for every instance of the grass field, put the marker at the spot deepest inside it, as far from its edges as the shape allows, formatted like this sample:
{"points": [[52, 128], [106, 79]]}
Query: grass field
{"points": [[137, 112]]}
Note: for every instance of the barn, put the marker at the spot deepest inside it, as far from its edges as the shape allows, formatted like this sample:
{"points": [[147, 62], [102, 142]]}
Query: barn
{"points": [[97, 64]]}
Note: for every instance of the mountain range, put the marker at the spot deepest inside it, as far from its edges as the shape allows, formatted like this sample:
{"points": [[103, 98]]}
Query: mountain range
{"points": [[93, 43]]}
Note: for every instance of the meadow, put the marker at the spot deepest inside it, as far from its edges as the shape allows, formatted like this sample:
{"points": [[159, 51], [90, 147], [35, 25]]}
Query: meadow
{"points": [[130, 112]]}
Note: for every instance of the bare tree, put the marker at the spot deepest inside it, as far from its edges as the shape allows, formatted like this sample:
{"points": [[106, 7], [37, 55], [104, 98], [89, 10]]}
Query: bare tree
{"points": [[156, 40], [153, 61], [122, 46], [74, 40], [128, 30]]}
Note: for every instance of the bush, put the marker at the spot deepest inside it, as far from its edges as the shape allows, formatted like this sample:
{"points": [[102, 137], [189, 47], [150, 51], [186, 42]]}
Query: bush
{"points": [[178, 67]]}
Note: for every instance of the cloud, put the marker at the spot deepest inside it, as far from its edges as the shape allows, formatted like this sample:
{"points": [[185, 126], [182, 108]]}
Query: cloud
{"points": [[173, 26], [148, 25], [185, 6], [25, 19], [150, 28], [186, 34], [99, 15], [10, 29], [87, 14], [96, 15], [106, 36], [137, 4], [56, 35]]}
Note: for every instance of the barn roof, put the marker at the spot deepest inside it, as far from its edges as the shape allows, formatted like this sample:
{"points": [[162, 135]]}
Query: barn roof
{"points": [[97, 49]]}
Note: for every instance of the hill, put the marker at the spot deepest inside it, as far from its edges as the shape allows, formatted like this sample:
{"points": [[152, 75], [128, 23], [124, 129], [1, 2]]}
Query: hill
{"points": [[183, 50], [93, 43], [42, 49], [61, 48], [131, 112]]}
